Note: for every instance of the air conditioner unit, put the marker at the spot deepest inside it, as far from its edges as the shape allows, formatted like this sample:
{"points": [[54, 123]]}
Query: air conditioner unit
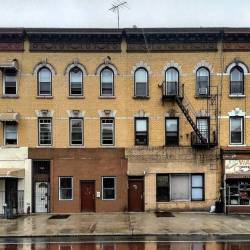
{"points": [[203, 91]]}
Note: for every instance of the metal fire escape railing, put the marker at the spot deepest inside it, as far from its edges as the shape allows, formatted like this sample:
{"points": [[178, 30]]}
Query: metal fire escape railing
{"points": [[175, 91]]}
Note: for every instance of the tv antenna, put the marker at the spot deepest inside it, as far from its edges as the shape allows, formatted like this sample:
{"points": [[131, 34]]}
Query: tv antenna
{"points": [[116, 8]]}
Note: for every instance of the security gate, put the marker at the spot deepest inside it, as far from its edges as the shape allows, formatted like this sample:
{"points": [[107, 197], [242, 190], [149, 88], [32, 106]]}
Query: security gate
{"points": [[42, 189]]}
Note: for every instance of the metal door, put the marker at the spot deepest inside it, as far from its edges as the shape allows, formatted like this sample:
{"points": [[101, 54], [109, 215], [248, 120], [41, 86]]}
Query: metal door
{"points": [[41, 193]]}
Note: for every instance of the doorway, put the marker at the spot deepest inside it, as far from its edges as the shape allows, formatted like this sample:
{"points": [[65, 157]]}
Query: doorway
{"points": [[136, 194], [88, 196]]}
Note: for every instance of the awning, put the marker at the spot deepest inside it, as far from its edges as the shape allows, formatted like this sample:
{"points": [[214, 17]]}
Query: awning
{"points": [[9, 117], [9, 65], [237, 176], [12, 172]]}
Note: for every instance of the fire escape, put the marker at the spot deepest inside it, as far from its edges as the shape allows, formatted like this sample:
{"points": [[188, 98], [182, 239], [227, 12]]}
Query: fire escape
{"points": [[202, 137]]}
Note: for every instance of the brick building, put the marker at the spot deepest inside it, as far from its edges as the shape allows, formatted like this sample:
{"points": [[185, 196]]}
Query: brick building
{"points": [[128, 119]]}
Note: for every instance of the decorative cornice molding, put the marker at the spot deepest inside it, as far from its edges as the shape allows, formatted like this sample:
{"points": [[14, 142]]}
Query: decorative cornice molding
{"points": [[76, 113], [107, 113], [141, 64], [172, 64], [237, 112], [141, 113], [42, 64], [205, 64], [44, 113], [73, 64]]}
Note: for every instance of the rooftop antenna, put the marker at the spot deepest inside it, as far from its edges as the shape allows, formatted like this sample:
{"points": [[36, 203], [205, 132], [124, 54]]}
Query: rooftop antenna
{"points": [[116, 8]]}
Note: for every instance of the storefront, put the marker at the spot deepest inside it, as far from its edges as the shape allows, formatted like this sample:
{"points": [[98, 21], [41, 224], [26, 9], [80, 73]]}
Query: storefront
{"points": [[236, 180]]}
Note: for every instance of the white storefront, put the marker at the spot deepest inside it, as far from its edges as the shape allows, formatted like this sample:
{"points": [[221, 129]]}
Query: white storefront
{"points": [[15, 178]]}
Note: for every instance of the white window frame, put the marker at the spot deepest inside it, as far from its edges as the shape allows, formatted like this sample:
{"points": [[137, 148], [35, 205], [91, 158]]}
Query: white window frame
{"points": [[82, 124], [113, 130], [39, 82], [4, 81], [72, 187], [113, 84], [242, 130], [109, 177], [9, 145], [39, 131], [70, 94], [146, 83]]}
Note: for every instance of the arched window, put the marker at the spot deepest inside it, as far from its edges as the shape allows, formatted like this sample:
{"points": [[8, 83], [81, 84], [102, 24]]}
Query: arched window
{"points": [[202, 82], [75, 82], [141, 82], [236, 81], [44, 82], [107, 82], [172, 81]]}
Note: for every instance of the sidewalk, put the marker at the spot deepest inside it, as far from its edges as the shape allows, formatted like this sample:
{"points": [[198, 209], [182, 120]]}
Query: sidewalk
{"points": [[128, 224]]}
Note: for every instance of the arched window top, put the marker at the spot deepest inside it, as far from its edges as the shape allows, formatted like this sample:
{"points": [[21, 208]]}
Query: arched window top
{"points": [[74, 64], [202, 71], [44, 74], [172, 75], [76, 74], [44, 82], [109, 66], [76, 81], [239, 64], [141, 75], [236, 74], [107, 74], [44, 64]]}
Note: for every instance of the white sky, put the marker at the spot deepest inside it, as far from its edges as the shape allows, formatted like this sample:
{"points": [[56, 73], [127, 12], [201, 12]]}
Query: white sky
{"points": [[142, 13]]}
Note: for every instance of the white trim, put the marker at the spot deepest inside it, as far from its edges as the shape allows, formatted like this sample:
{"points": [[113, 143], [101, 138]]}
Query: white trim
{"points": [[237, 112], [109, 177], [42, 64], [72, 187], [239, 64], [242, 130], [171, 64], [203, 64], [108, 65], [141, 64], [73, 64]]}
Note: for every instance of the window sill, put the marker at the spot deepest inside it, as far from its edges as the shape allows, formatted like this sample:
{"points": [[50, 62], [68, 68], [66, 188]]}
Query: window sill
{"points": [[141, 97], [10, 96], [76, 97], [44, 146], [10, 146], [237, 96], [75, 146], [107, 97], [44, 97], [107, 146], [237, 145], [202, 96]]}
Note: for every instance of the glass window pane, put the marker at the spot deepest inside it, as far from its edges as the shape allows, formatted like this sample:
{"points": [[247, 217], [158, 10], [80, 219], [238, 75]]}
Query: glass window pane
{"points": [[141, 89], [162, 192], [172, 75], [65, 182], [172, 125], [180, 187], [141, 75], [236, 75], [197, 193], [236, 124], [108, 182], [108, 188], [75, 76], [107, 75], [141, 125], [202, 72], [45, 75], [197, 181]]}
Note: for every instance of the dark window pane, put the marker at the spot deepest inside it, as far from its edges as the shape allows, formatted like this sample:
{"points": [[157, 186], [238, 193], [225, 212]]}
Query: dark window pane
{"points": [[141, 132], [108, 188], [76, 81], [44, 82], [107, 131], [141, 89], [172, 134], [236, 127], [236, 85], [162, 192], [141, 82], [107, 82]]}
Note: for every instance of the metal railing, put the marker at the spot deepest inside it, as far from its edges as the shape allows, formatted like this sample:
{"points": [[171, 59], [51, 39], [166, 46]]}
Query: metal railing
{"points": [[211, 139]]}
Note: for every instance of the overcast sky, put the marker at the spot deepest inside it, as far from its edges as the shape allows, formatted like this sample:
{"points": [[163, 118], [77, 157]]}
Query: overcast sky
{"points": [[142, 13]]}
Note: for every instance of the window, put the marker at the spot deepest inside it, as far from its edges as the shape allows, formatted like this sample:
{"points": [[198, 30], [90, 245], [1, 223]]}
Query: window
{"points": [[141, 82], [10, 133], [108, 188], [107, 82], [107, 131], [44, 82], [202, 81], [76, 131], [45, 131], [197, 183], [172, 131], [203, 126], [141, 131], [65, 188], [172, 81], [236, 130], [10, 82], [162, 192], [75, 82], [237, 81], [177, 187]]}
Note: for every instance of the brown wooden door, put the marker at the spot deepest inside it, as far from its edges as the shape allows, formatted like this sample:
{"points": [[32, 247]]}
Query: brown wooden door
{"points": [[88, 196], [135, 195]]}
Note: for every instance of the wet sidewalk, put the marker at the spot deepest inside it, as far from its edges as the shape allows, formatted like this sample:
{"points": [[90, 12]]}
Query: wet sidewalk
{"points": [[128, 224]]}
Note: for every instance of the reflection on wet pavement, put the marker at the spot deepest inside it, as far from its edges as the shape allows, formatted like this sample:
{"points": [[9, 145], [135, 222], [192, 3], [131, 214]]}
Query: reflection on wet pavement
{"points": [[130, 246]]}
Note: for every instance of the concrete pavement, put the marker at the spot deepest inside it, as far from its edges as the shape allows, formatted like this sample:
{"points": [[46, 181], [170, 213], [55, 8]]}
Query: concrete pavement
{"points": [[203, 225]]}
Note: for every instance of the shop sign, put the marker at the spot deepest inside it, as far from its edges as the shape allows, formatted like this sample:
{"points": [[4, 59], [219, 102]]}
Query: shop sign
{"points": [[237, 167]]}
